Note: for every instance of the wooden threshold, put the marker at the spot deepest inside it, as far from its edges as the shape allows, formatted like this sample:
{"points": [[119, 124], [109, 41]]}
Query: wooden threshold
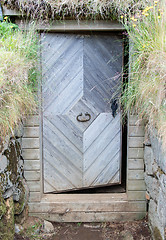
{"points": [[90, 216], [84, 197], [87, 208]]}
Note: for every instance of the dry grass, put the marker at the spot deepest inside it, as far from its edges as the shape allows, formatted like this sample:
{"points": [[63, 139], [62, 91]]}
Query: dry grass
{"points": [[146, 91], [146, 28], [75, 9], [17, 57]]}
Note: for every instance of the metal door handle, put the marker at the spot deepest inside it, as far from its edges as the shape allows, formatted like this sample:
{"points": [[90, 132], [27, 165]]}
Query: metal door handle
{"points": [[83, 119], [114, 107]]}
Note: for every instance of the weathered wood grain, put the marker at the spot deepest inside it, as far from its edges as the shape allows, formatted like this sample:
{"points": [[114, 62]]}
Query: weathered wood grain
{"points": [[91, 217], [31, 132], [135, 142], [34, 197], [30, 143], [135, 164], [32, 121], [31, 154], [32, 175], [31, 165], [62, 208], [71, 26], [135, 153], [136, 185], [84, 197], [134, 121], [136, 195], [80, 75], [135, 174], [136, 131], [34, 186]]}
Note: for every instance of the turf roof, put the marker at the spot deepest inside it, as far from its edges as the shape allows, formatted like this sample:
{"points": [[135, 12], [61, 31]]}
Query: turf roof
{"points": [[74, 9]]}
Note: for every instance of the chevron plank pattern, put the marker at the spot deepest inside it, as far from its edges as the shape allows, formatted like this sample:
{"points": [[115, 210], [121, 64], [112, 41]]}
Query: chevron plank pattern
{"points": [[81, 73]]}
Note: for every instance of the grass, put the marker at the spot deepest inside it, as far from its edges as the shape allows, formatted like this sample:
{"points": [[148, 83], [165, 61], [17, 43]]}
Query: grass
{"points": [[75, 9], [18, 61], [146, 90], [145, 23]]}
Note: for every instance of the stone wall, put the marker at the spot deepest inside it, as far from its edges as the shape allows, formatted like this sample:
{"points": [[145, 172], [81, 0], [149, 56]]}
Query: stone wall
{"points": [[155, 179], [13, 191]]}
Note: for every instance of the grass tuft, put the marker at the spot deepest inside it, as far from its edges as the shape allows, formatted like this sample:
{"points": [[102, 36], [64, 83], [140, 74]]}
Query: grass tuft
{"points": [[146, 90], [18, 61]]}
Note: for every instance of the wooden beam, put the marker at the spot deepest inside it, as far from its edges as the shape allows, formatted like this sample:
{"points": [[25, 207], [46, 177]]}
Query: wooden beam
{"points": [[30, 154], [91, 216], [31, 165], [63, 207], [32, 175], [31, 132], [11, 12], [75, 26], [32, 143]]}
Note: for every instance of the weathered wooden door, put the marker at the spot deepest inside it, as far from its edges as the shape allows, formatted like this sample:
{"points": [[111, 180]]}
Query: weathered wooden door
{"points": [[81, 119]]}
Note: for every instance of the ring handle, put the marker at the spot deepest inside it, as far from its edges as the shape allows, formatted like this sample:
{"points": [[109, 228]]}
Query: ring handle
{"points": [[83, 119]]}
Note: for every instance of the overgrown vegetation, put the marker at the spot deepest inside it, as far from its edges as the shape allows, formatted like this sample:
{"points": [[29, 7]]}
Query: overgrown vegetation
{"points": [[18, 61], [145, 22], [146, 90], [75, 9]]}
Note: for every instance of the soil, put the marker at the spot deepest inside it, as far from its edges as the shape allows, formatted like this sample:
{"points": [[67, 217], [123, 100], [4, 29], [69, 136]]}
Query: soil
{"points": [[135, 230]]}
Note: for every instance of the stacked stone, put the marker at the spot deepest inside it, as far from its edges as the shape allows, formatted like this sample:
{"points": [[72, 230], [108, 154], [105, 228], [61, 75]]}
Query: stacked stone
{"points": [[13, 194], [155, 179]]}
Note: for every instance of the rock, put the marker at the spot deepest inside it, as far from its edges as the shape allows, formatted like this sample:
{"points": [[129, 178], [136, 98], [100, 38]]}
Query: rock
{"points": [[8, 193], [3, 163], [158, 150], [147, 141], [149, 159], [18, 228], [16, 194], [7, 221], [48, 227], [152, 186], [2, 205], [92, 225], [126, 235]]}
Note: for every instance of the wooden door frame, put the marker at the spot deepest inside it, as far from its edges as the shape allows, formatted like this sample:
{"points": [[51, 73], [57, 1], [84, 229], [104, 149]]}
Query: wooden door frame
{"points": [[120, 134], [72, 26], [120, 206]]}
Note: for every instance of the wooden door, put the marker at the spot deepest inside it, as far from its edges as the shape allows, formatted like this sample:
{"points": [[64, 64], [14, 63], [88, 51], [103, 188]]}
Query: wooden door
{"points": [[81, 116]]}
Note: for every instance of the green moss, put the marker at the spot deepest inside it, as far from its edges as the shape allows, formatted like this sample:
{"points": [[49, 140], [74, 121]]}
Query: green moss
{"points": [[7, 222], [13, 154], [19, 206], [11, 173], [157, 234], [2, 205]]}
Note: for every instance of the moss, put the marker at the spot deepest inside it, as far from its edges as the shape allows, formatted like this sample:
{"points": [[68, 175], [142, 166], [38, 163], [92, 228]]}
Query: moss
{"points": [[157, 234], [2, 205], [19, 206], [13, 154], [7, 221], [20, 219], [59, 10], [11, 175]]}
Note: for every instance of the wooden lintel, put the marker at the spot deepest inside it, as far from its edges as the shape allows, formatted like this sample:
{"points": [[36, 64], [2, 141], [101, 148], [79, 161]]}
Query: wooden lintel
{"points": [[10, 12], [72, 25], [77, 26]]}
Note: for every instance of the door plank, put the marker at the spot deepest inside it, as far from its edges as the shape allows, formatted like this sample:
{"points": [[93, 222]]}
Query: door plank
{"points": [[80, 74]]}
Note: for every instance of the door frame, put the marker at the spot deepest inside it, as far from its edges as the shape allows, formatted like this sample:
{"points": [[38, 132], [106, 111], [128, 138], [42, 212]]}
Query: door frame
{"points": [[120, 111], [72, 26], [118, 206]]}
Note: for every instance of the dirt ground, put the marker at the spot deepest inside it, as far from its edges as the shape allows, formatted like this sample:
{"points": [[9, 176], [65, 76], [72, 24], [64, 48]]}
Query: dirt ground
{"points": [[135, 230]]}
